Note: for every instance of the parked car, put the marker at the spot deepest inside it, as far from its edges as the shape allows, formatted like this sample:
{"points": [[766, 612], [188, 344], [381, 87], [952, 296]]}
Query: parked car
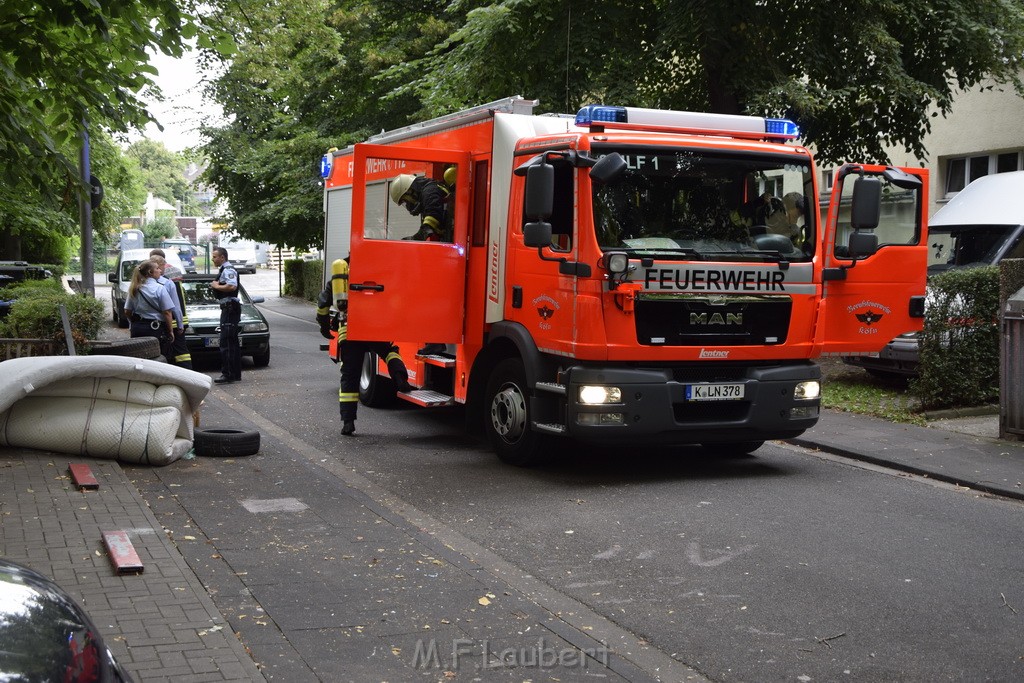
{"points": [[46, 636], [980, 226], [121, 277], [185, 250], [202, 334]]}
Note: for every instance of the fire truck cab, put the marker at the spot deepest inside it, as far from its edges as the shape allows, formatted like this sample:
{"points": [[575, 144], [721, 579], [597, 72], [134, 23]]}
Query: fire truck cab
{"points": [[624, 275]]}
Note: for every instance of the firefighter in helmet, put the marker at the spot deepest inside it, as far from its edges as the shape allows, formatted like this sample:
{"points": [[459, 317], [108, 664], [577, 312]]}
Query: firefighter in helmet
{"points": [[428, 199], [350, 352]]}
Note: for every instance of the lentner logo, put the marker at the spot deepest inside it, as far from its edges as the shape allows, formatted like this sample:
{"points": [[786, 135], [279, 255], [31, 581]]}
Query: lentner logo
{"points": [[713, 353]]}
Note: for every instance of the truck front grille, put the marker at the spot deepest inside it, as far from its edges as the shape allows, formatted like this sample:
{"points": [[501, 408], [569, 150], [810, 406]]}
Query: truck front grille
{"points": [[703, 320]]}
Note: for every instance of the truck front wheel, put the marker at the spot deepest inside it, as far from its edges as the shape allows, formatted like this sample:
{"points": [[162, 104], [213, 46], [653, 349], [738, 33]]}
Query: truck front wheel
{"points": [[508, 419]]}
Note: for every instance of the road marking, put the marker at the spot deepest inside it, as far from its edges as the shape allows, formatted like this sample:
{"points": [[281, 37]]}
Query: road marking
{"points": [[696, 556], [274, 505]]}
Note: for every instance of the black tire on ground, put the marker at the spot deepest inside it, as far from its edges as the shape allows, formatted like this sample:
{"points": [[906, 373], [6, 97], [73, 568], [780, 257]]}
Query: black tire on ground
{"points": [[226, 443], [114, 315], [261, 360], [733, 449], [507, 419], [374, 390], [122, 321], [134, 347]]}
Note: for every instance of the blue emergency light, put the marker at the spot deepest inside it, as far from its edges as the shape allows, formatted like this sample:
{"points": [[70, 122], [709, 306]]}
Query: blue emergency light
{"points": [[742, 126], [326, 163]]}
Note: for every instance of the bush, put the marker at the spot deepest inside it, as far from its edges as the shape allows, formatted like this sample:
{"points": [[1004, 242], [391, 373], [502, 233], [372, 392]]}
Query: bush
{"points": [[960, 343], [36, 313], [303, 279]]}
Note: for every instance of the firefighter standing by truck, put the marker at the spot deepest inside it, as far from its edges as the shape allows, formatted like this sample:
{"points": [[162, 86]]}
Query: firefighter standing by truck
{"points": [[350, 352]]}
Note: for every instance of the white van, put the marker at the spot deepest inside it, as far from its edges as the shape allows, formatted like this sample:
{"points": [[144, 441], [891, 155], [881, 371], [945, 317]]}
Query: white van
{"points": [[121, 277], [980, 226]]}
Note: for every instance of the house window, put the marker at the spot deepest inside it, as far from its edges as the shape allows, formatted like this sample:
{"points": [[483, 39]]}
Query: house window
{"points": [[960, 171], [826, 179]]}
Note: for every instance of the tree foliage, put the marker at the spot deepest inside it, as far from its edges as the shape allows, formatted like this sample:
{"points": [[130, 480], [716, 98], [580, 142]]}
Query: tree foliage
{"points": [[66, 63], [315, 74], [162, 169]]}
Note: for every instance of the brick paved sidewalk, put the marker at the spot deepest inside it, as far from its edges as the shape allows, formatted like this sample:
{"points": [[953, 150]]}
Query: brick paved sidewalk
{"points": [[161, 624]]}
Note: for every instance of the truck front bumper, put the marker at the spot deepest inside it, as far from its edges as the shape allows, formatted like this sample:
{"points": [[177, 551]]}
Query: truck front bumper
{"points": [[655, 406]]}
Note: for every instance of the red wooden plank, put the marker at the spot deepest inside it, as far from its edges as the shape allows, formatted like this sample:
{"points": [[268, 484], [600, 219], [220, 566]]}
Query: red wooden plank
{"points": [[82, 476], [122, 552]]}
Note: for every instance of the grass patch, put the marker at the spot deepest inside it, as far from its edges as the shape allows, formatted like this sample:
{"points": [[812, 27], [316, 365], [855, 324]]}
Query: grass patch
{"points": [[854, 391]]}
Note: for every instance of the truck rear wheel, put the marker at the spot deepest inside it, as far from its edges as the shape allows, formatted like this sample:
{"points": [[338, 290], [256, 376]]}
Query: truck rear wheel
{"points": [[374, 390], [508, 419]]}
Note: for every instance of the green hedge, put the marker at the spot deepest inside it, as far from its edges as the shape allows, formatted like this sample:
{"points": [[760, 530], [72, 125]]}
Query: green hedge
{"points": [[36, 313], [303, 279], [960, 343]]}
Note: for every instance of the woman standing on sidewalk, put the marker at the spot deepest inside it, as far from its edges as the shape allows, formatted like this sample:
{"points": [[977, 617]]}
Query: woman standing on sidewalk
{"points": [[148, 305]]}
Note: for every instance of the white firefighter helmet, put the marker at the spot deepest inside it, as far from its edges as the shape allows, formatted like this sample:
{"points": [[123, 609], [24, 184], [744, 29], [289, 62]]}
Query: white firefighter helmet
{"points": [[401, 185]]}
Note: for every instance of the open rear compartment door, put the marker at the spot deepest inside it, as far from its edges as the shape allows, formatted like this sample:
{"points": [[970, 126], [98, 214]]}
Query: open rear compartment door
{"points": [[401, 289]]}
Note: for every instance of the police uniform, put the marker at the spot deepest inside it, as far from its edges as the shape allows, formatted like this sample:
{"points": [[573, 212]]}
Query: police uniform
{"points": [[230, 316], [177, 351], [146, 310]]}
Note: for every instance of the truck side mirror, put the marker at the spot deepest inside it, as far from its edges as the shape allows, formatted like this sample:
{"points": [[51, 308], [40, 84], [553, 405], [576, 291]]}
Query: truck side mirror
{"points": [[537, 235], [863, 244], [866, 209], [607, 169], [540, 192], [112, 277]]}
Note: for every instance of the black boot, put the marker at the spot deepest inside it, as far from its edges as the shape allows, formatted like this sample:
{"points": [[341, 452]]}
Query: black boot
{"points": [[348, 428]]}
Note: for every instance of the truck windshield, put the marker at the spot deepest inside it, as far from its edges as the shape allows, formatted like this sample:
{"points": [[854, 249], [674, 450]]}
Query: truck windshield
{"points": [[688, 204]]}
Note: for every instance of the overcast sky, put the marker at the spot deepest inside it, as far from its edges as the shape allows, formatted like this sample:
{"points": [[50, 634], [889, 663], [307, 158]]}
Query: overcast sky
{"points": [[184, 107]]}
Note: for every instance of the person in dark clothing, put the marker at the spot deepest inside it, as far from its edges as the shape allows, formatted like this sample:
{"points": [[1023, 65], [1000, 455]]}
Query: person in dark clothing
{"points": [[225, 288], [350, 353], [428, 199]]}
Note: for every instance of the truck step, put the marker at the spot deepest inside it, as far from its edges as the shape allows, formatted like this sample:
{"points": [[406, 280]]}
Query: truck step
{"points": [[427, 398], [549, 428], [552, 387], [439, 361]]}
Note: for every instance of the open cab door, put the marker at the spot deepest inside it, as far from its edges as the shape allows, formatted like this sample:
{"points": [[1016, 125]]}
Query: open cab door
{"points": [[401, 289], [875, 258]]}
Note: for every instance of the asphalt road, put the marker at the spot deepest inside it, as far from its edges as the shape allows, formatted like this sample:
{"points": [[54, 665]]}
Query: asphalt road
{"points": [[787, 565]]}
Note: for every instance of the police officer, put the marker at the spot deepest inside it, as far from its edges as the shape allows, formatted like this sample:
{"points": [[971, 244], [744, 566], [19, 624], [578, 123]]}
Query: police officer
{"points": [[350, 352], [148, 305], [225, 288], [177, 351]]}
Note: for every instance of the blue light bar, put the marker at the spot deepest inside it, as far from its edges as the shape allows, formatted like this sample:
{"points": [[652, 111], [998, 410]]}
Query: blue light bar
{"points": [[782, 127], [326, 163], [595, 113]]}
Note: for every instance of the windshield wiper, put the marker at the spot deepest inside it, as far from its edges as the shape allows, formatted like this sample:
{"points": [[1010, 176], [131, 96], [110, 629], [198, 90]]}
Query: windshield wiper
{"points": [[675, 253]]}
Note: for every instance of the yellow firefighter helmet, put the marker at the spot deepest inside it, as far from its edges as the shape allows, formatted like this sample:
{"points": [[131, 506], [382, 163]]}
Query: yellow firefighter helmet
{"points": [[401, 185]]}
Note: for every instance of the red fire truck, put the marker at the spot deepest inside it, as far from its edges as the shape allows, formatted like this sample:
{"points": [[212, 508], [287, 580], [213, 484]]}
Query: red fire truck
{"points": [[624, 275]]}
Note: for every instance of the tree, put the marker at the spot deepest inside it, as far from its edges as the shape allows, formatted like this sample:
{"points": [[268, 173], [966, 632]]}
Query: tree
{"points": [[855, 80], [163, 170], [309, 75], [66, 62]]}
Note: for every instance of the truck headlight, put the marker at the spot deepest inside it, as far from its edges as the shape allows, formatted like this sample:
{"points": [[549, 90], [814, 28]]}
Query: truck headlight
{"points": [[807, 390], [599, 395]]}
